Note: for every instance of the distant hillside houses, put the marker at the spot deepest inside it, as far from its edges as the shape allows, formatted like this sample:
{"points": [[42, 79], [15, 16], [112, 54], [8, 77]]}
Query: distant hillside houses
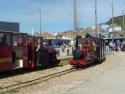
{"points": [[115, 29], [66, 37], [110, 28], [45, 35], [61, 35]]}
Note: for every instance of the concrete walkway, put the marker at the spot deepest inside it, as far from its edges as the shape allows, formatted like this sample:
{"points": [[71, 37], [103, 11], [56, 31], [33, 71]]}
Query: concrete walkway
{"points": [[105, 78], [111, 82]]}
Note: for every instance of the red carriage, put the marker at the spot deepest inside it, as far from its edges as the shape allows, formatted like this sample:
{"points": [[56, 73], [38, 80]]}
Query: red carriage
{"points": [[19, 50]]}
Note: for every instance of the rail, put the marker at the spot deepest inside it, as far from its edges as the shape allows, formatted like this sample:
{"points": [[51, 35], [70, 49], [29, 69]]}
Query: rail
{"points": [[35, 81]]}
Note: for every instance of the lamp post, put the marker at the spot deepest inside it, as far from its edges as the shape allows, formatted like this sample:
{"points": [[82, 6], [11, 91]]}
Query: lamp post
{"points": [[96, 19], [112, 5], [75, 16], [40, 21], [75, 22], [96, 14], [123, 19]]}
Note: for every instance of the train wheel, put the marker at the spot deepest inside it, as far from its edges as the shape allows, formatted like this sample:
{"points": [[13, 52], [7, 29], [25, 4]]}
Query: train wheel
{"points": [[97, 61], [76, 66]]}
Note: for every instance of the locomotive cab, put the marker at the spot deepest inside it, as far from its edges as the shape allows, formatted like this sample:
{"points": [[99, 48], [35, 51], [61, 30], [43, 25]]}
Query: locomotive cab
{"points": [[51, 59], [38, 44], [45, 54]]}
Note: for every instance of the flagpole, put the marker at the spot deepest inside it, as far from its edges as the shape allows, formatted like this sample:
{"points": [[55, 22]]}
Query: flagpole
{"points": [[75, 16], [123, 22], [112, 5], [96, 14], [40, 21]]}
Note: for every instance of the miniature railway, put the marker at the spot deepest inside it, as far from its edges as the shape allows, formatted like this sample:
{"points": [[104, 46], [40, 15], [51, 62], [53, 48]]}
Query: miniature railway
{"points": [[35, 81]]}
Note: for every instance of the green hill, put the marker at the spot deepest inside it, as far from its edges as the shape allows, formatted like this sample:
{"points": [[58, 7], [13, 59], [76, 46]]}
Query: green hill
{"points": [[118, 21]]}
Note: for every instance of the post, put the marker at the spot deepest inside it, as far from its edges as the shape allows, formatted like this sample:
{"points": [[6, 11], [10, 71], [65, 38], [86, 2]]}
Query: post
{"points": [[75, 16], [112, 5], [96, 14], [75, 22], [123, 21], [40, 20], [96, 18]]}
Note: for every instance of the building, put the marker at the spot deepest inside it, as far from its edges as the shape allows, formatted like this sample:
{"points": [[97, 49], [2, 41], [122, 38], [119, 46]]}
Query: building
{"points": [[9, 26]]}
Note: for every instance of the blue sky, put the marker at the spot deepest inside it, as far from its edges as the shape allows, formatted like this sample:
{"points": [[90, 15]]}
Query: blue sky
{"points": [[57, 15]]}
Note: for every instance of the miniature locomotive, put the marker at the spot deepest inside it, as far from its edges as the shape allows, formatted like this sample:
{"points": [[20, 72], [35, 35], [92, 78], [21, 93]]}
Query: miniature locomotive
{"points": [[89, 49]]}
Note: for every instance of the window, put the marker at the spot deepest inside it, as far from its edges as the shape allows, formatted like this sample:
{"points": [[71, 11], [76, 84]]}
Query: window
{"points": [[1, 36], [14, 40], [20, 39], [29, 39], [9, 40], [24, 39]]}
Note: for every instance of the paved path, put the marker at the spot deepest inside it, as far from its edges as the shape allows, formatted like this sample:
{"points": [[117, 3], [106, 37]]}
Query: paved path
{"points": [[105, 78], [111, 82]]}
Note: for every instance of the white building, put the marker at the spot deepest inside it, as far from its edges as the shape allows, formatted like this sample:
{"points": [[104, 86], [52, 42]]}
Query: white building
{"points": [[116, 29], [66, 37]]}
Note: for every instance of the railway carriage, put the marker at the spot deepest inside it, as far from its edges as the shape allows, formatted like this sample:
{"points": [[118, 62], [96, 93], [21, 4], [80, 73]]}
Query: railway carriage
{"points": [[21, 51], [13, 51], [5, 51], [88, 50]]}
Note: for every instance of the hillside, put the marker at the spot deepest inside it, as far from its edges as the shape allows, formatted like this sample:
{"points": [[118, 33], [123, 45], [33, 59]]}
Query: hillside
{"points": [[117, 21], [81, 32]]}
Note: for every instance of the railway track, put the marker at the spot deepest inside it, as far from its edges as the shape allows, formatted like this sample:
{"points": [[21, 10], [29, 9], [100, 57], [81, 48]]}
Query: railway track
{"points": [[34, 81]]}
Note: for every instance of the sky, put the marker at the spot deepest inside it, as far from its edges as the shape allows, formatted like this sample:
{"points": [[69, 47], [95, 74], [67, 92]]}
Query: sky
{"points": [[56, 15]]}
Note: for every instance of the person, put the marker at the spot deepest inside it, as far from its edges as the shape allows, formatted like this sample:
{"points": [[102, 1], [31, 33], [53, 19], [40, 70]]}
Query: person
{"points": [[38, 53], [111, 45], [118, 45], [62, 49], [67, 51], [58, 52], [72, 49], [123, 46], [38, 47], [14, 58], [114, 46]]}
